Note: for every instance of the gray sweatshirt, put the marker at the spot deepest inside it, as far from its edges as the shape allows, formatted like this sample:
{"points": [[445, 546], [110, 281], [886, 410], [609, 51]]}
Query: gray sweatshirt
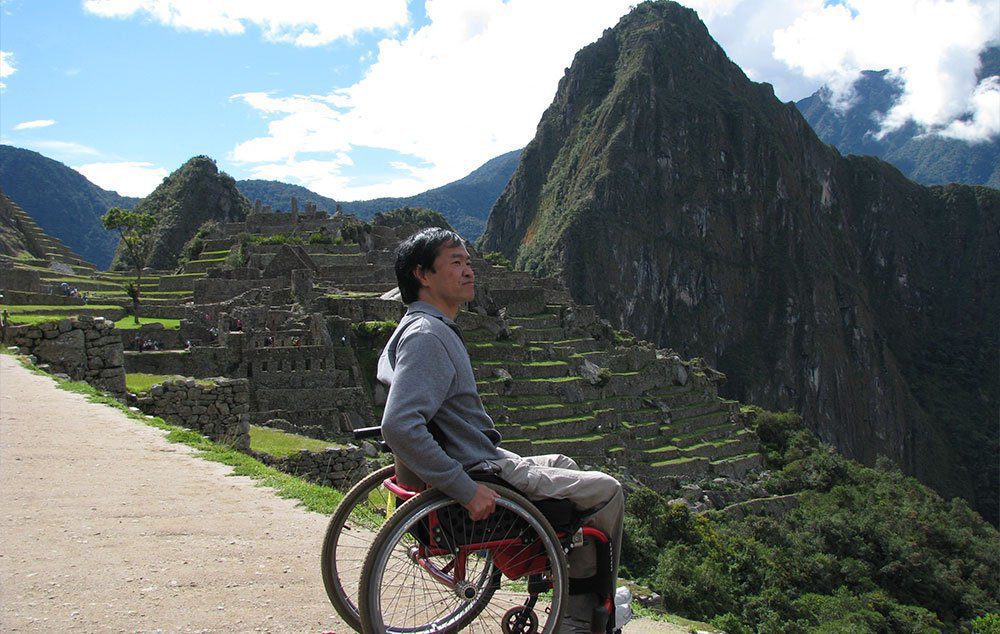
{"points": [[429, 375]]}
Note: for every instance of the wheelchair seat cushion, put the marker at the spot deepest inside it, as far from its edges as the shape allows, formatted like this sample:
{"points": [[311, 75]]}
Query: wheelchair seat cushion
{"points": [[561, 514]]}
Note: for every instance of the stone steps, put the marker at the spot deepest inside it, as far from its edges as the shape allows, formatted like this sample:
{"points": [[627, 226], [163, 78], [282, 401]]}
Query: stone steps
{"points": [[684, 466], [686, 426], [536, 414], [526, 387], [365, 287], [738, 445], [495, 351], [738, 466], [720, 430], [339, 259], [529, 370], [579, 346], [595, 444], [584, 424], [694, 409], [202, 266], [519, 301], [541, 320], [546, 334]]}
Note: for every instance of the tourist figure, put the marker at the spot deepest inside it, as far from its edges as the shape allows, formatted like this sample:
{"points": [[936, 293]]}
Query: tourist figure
{"points": [[427, 370]]}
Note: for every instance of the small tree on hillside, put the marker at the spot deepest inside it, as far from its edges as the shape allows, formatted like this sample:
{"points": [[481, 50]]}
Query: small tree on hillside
{"points": [[136, 231]]}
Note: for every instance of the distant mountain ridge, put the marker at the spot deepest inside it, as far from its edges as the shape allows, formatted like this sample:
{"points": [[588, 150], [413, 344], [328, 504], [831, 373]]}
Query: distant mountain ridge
{"points": [[62, 201], [278, 195], [466, 203], [930, 159], [692, 207]]}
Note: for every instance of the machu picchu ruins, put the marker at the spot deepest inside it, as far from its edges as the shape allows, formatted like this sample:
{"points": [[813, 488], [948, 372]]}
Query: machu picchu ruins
{"points": [[295, 306]]}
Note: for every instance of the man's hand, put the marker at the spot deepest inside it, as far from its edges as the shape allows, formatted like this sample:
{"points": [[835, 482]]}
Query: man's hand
{"points": [[483, 503]]}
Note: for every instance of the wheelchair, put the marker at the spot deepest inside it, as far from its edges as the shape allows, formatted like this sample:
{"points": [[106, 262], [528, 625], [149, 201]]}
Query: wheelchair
{"points": [[399, 558]]}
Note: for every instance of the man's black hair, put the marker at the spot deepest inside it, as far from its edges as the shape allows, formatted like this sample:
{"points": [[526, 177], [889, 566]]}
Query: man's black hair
{"points": [[421, 249]]}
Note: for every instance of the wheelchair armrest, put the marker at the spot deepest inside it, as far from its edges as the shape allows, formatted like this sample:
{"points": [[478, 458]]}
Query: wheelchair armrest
{"points": [[367, 432]]}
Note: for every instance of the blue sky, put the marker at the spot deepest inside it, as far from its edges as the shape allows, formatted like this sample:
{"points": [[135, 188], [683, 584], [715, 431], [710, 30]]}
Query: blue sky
{"points": [[387, 97]]}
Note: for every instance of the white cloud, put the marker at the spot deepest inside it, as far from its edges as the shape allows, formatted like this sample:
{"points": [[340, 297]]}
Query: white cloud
{"points": [[931, 48], [61, 149], [301, 22], [466, 87], [7, 67], [129, 178], [37, 123], [984, 122]]}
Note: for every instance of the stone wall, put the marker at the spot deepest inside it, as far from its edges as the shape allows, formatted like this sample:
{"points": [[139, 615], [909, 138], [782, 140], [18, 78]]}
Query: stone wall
{"points": [[212, 290], [84, 348], [20, 279], [335, 467], [198, 362], [39, 298], [218, 409]]}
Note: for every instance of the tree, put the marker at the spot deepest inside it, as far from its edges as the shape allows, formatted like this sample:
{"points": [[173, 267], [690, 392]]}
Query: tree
{"points": [[135, 230]]}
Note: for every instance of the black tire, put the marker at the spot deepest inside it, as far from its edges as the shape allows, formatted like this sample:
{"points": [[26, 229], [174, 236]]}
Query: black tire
{"points": [[349, 535], [398, 595]]}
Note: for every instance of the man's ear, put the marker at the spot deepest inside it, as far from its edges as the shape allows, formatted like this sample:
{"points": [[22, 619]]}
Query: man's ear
{"points": [[420, 274]]}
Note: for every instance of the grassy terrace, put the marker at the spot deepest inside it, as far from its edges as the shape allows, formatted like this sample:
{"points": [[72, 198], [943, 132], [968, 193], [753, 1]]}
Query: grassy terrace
{"points": [[42, 308], [589, 438], [279, 443], [139, 382], [677, 461], [39, 314], [128, 322]]}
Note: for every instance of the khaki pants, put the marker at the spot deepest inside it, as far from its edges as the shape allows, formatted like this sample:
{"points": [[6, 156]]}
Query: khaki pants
{"points": [[557, 476]]}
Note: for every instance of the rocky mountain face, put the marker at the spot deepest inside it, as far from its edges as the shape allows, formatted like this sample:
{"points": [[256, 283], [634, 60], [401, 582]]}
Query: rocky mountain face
{"points": [[62, 201], [695, 209], [927, 159], [195, 193]]}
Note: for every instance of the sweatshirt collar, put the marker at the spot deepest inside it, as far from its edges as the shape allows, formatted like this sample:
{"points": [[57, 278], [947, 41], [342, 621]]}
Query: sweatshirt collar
{"points": [[430, 309]]}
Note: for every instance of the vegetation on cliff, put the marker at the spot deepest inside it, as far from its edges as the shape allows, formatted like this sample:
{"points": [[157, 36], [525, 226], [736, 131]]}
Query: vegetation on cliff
{"points": [[192, 195], [865, 550]]}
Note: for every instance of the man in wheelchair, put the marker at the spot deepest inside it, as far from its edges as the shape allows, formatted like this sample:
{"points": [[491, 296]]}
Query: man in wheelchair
{"points": [[435, 423]]}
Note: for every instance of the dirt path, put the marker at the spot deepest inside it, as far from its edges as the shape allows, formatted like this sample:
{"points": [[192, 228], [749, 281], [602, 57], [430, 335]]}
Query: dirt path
{"points": [[108, 527]]}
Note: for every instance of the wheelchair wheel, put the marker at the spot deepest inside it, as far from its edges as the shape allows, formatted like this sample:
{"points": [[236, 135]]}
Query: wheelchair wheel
{"points": [[351, 530], [432, 569]]}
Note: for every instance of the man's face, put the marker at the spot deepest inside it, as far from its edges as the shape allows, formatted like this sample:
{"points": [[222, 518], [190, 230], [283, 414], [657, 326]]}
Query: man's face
{"points": [[452, 280]]}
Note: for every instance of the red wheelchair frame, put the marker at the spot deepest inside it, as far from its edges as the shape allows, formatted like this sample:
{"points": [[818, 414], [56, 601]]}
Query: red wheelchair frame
{"points": [[508, 555]]}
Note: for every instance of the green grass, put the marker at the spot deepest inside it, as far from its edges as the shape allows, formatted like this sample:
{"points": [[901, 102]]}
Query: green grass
{"points": [[139, 382], [32, 308], [590, 438], [280, 443], [312, 496], [37, 319], [128, 322]]}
